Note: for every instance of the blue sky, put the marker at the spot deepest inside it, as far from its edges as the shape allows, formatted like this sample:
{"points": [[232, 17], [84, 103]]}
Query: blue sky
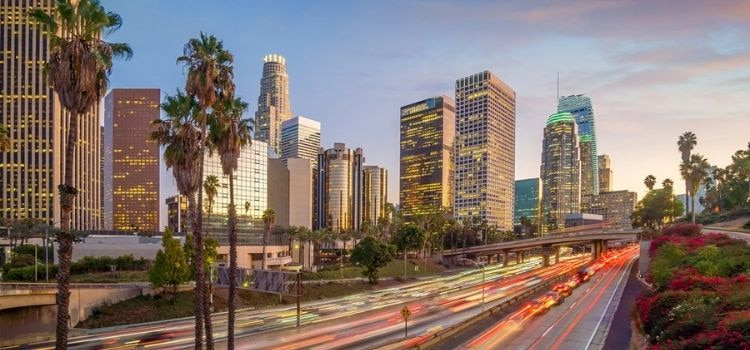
{"points": [[653, 70]]}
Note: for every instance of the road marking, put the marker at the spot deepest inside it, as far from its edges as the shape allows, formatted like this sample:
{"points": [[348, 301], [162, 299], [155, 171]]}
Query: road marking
{"points": [[547, 331], [625, 272], [574, 304]]}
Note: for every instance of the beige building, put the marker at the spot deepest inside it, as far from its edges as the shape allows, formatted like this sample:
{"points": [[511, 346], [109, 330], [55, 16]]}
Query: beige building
{"points": [[274, 106], [428, 129], [33, 168], [616, 207], [300, 192], [375, 192], [278, 191], [605, 173], [485, 150]]}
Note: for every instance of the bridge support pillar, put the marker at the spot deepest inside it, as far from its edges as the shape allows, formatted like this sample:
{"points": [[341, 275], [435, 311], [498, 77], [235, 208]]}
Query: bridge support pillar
{"points": [[505, 258], [557, 255], [546, 251], [518, 257], [594, 249]]}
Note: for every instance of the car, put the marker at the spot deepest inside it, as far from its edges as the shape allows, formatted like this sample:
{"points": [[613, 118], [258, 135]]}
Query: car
{"points": [[564, 289], [534, 307], [574, 282], [551, 299], [583, 276], [590, 271]]}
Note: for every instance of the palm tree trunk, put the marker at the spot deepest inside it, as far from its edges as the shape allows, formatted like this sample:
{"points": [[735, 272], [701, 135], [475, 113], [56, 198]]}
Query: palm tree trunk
{"points": [[265, 243], [208, 300], [232, 263], [65, 238], [692, 210], [199, 278]]}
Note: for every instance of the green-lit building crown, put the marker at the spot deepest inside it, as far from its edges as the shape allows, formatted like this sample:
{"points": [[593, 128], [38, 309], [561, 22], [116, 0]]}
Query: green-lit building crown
{"points": [[562, 117]]}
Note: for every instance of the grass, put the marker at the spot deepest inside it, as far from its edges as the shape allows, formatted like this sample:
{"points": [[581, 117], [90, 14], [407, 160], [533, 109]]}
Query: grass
{"points": [[395, 268], [107, 277], [147, 309]]}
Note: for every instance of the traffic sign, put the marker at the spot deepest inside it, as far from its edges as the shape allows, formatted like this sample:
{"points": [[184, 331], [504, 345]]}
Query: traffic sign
{"points": [[405, 313]]}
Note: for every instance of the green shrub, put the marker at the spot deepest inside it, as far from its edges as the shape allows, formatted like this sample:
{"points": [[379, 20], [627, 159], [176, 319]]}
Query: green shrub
{"points": [[90, 264], [26, 273]]}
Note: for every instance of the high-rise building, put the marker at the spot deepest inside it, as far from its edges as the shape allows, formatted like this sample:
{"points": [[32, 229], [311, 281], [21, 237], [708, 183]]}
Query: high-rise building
{"points": [[560, 170], [616, 207], [300, 192], [375, 193], [605, 173], [300, 138], [428, 129], [528, 202], [580, 107], [131, 160], [177, 214], [278, 191], [273, 103], [485, 149], [339, 189], [34, 166]]}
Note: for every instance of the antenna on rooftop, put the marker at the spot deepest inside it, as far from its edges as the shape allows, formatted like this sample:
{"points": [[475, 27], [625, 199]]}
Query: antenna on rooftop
{"points": [[558, 87]]}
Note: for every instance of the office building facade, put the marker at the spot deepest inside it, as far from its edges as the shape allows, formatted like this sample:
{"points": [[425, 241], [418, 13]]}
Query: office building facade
{"points": [[300, 138], [605, 173], [426, 159], [34, 166], [339, 188], [580, 107], [560, 171], [485, 150], [375, 193], [616, 207], [274, 106], [131, 160], [528, 201], [177, 214]]}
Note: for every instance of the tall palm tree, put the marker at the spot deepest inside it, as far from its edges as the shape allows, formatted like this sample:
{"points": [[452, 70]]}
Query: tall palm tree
{"points": [[668, 186], [209, 77], [78, 69], [211, 189], [685, 144], [694, 171], [229, 135], [4, 138], [269, 217], [650, 181]]}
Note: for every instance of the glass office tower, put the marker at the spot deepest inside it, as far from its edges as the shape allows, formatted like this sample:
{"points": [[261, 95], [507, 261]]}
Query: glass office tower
{"points": [[580, 107], [560, 170]]}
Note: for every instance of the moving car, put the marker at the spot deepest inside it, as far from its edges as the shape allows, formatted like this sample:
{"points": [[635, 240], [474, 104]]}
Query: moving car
{"points": [[551, 298], [564, 289], [534, 307], [583, 276], [574, 282]]}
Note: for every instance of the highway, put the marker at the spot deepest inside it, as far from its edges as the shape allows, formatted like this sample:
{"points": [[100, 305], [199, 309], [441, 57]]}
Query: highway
{"points": [[579, 322], [356, 321]]}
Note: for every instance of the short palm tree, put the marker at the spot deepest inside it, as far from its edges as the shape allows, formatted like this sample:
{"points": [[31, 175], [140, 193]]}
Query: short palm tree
{"points": [[209, 77], [685, 144], [4, 138], [694, 172], [211, 189], [230, 133], [78, 69], [269, 217], [650, 181]]}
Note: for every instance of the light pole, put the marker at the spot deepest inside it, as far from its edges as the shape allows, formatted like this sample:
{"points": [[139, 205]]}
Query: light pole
{"points": [[480, 266]]}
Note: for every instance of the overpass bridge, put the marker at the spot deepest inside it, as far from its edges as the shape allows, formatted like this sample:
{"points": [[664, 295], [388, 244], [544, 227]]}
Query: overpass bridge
{"points": [[549, 244]]}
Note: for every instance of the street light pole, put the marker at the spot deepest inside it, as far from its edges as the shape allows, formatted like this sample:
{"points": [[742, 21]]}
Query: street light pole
{"points": [[46, 255]]}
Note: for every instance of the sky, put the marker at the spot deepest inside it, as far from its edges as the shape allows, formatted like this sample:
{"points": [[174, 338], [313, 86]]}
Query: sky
{"points": [[653, 69]]}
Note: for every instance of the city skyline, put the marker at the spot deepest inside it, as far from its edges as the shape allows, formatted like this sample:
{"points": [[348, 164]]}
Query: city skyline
{"points": [[618, 74]]}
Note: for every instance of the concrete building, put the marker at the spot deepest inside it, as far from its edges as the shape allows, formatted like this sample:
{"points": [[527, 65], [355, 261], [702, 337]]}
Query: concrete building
{"points": [[131, 160], [582, 219], [485, 150], [605, 173], [580, 107], [528, 202], [278, 191], [339, 188], [274, 106], [375, 193], [300, 192], [560, 171], [300, 138], [615, 207], [177, 214], [428, 129], [33, 167]]}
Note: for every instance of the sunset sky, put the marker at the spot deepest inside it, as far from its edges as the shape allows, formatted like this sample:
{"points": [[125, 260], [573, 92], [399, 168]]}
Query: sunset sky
{"points": [[653, 69]]}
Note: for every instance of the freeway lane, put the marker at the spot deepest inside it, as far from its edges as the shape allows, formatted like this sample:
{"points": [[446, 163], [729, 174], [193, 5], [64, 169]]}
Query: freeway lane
{"points": [[178, 333], [577, 323]]}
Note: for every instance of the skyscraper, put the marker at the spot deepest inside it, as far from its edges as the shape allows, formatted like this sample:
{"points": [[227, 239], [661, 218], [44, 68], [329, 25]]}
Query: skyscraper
{"points": [[375, 193], [485, 149], [560, 170], [605, 173], [273, 103], [428, 128], [339, 189], [580, 107], [528, 201], [615, 207], [33, 168], [300, 138], [131, 160]]}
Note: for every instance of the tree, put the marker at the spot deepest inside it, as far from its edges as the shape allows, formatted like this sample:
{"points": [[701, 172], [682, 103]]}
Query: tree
{"points": [[269, 217], [694, 171], [211, 189], [650, 181], [78, 70], [230, 133], [210, 253], [685, 144], [409, 236], [372, 254], [170, 267], [4, 138]]}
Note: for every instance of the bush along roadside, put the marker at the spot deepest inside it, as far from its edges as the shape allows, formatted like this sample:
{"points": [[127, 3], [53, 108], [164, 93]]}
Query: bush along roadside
{"points": [[701, 298]]}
